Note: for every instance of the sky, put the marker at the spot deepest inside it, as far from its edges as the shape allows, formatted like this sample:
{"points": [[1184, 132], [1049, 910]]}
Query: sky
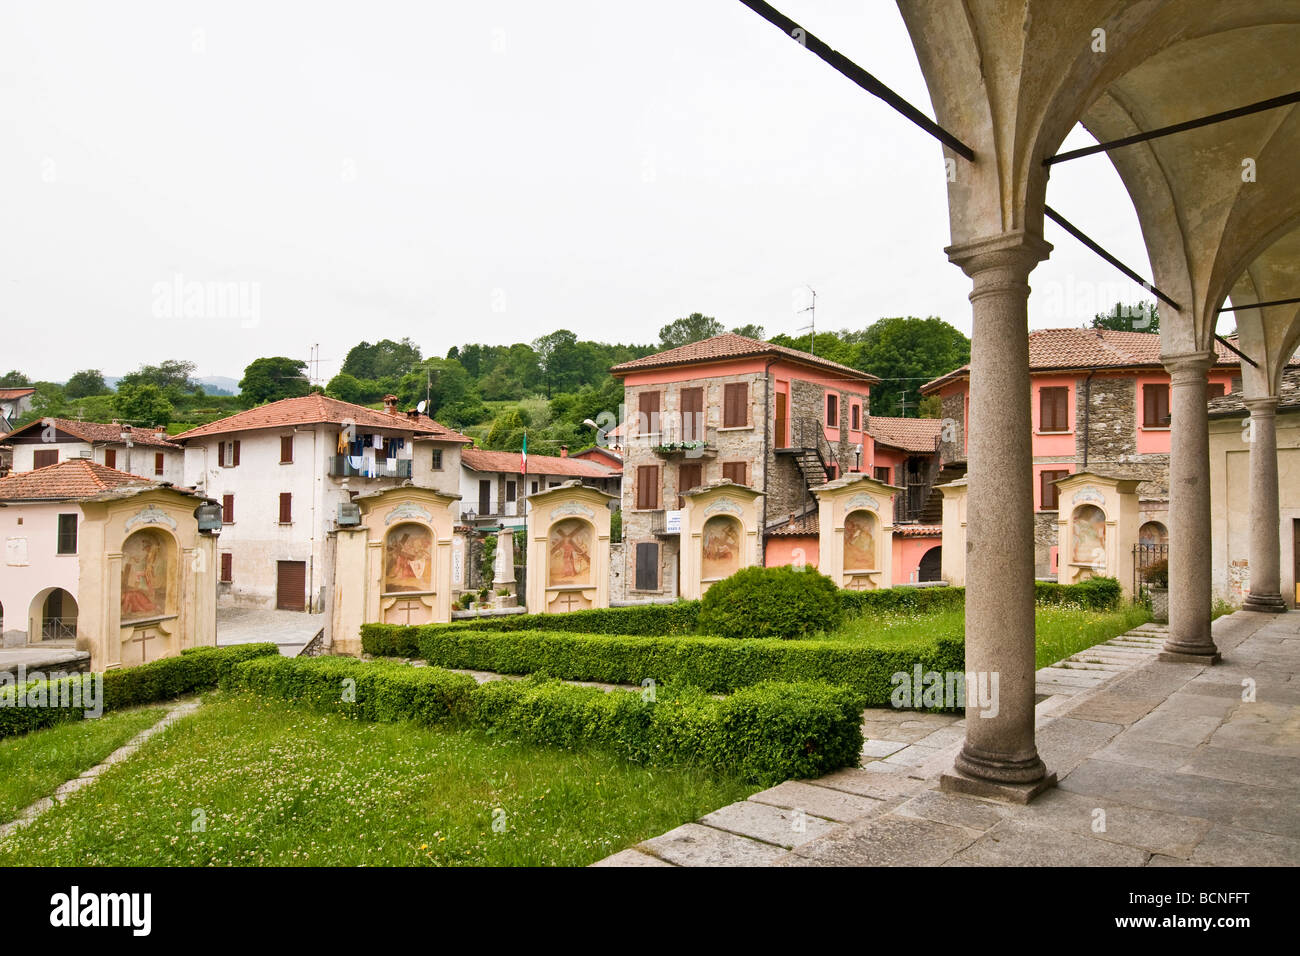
{"points": [[228, 180]]}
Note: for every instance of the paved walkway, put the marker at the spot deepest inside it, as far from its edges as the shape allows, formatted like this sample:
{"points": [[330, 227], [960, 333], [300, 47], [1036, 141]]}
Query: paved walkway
{"points": [[35, 657], [291, 630], [1160, 764]]}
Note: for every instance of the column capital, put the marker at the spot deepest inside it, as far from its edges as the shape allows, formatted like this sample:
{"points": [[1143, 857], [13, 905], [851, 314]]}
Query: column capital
{"points": [[1188, 368], [1262, 407], [1017, 250]]}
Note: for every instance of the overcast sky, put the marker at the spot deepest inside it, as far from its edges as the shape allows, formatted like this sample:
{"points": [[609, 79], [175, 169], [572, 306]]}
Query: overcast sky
{"points": [[485, 171]]}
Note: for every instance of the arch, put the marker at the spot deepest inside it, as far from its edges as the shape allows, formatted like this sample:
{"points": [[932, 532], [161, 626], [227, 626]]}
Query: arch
{"points": [[569, 546], [149, 571], [860, 541], [1088, 541], [720, 544], [408, 559], [930, 565], [53, 615], [1153, 534]]}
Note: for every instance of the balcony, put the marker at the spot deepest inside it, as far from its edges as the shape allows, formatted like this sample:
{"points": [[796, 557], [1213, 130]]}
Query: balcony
{"points": [[345, 466], [665, 524]]}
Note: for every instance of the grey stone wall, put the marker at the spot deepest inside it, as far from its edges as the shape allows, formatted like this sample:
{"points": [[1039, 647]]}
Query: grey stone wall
{"points": [[1112, 418], [954, 410], [1046, 537]]}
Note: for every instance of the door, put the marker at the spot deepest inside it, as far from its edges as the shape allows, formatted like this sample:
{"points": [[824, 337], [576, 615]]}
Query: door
{"points": [[782, 419], [291, 585], [1295, 559], [485, 497]]}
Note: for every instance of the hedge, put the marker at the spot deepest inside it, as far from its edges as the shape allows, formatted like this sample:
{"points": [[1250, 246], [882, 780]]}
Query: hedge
{"points": [[782, 602], [197, 668], [766, 733], [713, 664], [938, 598], [1096, 594]]}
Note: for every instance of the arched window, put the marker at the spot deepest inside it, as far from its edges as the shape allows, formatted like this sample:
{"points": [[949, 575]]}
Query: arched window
{"points": [[408, 559]]}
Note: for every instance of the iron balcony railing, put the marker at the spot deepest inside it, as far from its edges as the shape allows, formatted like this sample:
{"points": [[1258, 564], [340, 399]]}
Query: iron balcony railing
{"points": [[349, 466]]}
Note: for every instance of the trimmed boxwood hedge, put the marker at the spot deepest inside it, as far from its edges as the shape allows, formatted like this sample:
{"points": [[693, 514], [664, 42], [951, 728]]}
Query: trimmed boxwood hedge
{"points": [[772, 602], [936, 598], [766, 733], [1096, 594], [197, 668]]}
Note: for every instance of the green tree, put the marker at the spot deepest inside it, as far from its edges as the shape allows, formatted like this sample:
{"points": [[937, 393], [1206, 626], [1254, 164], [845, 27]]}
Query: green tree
{"points": [[385, 359], [750, 331], [1143, 317], [906, 353], [273, 378], [507, 431], [834, 346], [88, 381], [14, 379], [696, 327], [173, 375], [143, 405]]}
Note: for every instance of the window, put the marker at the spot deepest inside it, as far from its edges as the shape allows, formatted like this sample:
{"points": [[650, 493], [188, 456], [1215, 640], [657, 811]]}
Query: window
{"points": [[159, 463], [484, 496], [110, 457], [735, 471], [227, 509], [1155, 406], [286, 508], [881, 473], [833, 411], [647, 487], [735, 405], [689, 475], [229, 454], [437, 459], [45, 457], [692, 414], [227, 567], [855, 415], [67, 534], [647, 566], [286, 449], [648, 422], [534, 488], [1216, 390], [1054, 409], [1048, 493], [511, 491]]}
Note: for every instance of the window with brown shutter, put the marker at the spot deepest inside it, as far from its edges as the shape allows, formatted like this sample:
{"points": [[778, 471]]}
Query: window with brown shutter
{"points": [[735, 405], [833, 411], [286, 508], [1215, 390], [855, 413], [286, 449], [227, 567], [67, 539], [45, 457], [647, 487], [882, 474], [692, 414], [648, 422], [1048, 493], [159, 461], [647, 566], [689, 475], [1054, 409], [1155, 406], [734, 471], [110, 457], [234, 462], [227, 509]]}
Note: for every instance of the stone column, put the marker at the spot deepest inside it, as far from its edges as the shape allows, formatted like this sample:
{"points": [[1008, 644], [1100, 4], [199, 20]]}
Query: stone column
{"points": [[1189, 511], [1265, 549], [999, 758], [504, 568]]}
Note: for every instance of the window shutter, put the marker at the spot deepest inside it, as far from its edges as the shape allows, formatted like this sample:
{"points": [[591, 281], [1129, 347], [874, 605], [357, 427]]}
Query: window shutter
{"points": [[734, 471], [286, 507], [692, 414], [649, 405], [1048, 493], [234, 456], [227, 509], [833, 411], [227, 566], [735, 405], [688, 476], [647, 487], [110, 457], [286, 449], [158, 461], [647, 566], [45, 457], [857, 417]]}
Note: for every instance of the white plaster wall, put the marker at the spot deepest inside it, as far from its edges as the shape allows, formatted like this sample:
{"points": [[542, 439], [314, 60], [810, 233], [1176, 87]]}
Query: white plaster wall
{"points": [[140, 457]]}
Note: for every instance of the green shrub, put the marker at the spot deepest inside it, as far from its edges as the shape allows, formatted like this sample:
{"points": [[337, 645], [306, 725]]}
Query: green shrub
{"points": [[197, 668], [712, 664], [936, 598], [1157, 574], [1095, 594], [766, 733], [771, 602]]}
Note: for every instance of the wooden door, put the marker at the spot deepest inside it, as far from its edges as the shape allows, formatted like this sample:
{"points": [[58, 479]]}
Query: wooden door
{"points": [[782, 421], [291, 585]]}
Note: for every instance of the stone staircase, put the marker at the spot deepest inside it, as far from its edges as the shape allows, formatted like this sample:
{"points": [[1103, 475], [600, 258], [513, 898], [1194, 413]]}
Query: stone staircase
{"points": [[933, 511], [1095, 665]]}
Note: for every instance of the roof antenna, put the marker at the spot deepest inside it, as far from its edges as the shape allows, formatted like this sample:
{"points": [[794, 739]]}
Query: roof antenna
{"points": [[812, 320]]}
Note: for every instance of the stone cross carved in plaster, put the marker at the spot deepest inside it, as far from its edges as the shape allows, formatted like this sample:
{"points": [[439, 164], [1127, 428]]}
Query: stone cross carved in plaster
{"points": [[408, 510], [570, 508], [724, 504], [862, 500], [150, 515]]}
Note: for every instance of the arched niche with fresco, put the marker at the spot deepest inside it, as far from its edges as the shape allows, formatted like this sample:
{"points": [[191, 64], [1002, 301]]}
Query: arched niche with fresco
{"points": [[568, 549], [855, 530]]}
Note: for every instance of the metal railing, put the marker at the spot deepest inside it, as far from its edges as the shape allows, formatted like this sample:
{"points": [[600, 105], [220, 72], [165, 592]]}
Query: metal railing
{"points": [[809, 433], [354, 466]]}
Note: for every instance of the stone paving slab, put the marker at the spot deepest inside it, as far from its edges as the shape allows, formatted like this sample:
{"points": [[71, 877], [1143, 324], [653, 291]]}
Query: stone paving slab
{"points": [[694, 845], [1015, 842], [820, 801], [780, 826], [888, 841]]}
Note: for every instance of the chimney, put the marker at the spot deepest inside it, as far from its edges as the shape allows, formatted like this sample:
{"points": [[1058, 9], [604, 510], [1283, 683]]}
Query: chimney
{"points": [[412, 414], [390, 404], [564, 451]]}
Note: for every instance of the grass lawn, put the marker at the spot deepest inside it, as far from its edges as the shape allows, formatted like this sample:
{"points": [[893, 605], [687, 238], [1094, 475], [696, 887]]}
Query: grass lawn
{"points": [[34, 765], [281, 786], [1061, 630]]}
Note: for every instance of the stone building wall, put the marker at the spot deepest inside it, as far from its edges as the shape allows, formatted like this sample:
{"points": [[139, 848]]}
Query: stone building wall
{"points": [[952, 445], [1046, 537]]}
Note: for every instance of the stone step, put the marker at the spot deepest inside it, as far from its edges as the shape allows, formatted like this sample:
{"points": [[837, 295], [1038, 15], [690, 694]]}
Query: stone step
{"points": [[1079, 678]]}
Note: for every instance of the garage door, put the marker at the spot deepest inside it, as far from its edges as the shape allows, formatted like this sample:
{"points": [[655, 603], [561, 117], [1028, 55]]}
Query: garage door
{"points": [[291, 585]]}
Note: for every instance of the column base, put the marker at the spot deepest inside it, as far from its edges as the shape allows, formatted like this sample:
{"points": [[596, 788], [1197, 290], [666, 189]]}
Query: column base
{"points": [[1265, 603], [1185, 654], [954, 781]]}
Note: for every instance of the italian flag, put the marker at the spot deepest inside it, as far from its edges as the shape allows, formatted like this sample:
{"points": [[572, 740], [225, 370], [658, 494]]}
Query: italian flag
{"points": [[523, 456]]}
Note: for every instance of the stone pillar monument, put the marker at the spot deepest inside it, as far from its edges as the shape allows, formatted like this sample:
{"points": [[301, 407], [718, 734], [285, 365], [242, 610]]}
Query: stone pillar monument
{"points": [[503, 570]]}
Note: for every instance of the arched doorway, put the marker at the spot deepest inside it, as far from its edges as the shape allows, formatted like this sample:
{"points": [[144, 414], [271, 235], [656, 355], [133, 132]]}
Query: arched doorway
{"points": [[54, 616], [931, 562]]}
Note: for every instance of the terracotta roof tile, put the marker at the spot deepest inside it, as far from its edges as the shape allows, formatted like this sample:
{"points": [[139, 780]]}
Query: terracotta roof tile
{"points": [[9, 394], [74, 478], [317, 409], [479, 459], [1052, 349], [796, 526], [731, 346], [907, 434], [1234, 404], [99, 432]]}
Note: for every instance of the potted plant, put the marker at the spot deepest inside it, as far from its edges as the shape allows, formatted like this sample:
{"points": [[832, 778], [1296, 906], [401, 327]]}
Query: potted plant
{"points": [[1157, 579]]}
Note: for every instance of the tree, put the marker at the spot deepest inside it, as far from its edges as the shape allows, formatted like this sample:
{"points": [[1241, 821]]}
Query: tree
{"points": [[349, 388], [88, 381], [1143, 317], [830, 345], [694, 328], [750, 331], [385, 359], [14, 379], [143, 405], [906, 353], [173, 375], [274, 378]]}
